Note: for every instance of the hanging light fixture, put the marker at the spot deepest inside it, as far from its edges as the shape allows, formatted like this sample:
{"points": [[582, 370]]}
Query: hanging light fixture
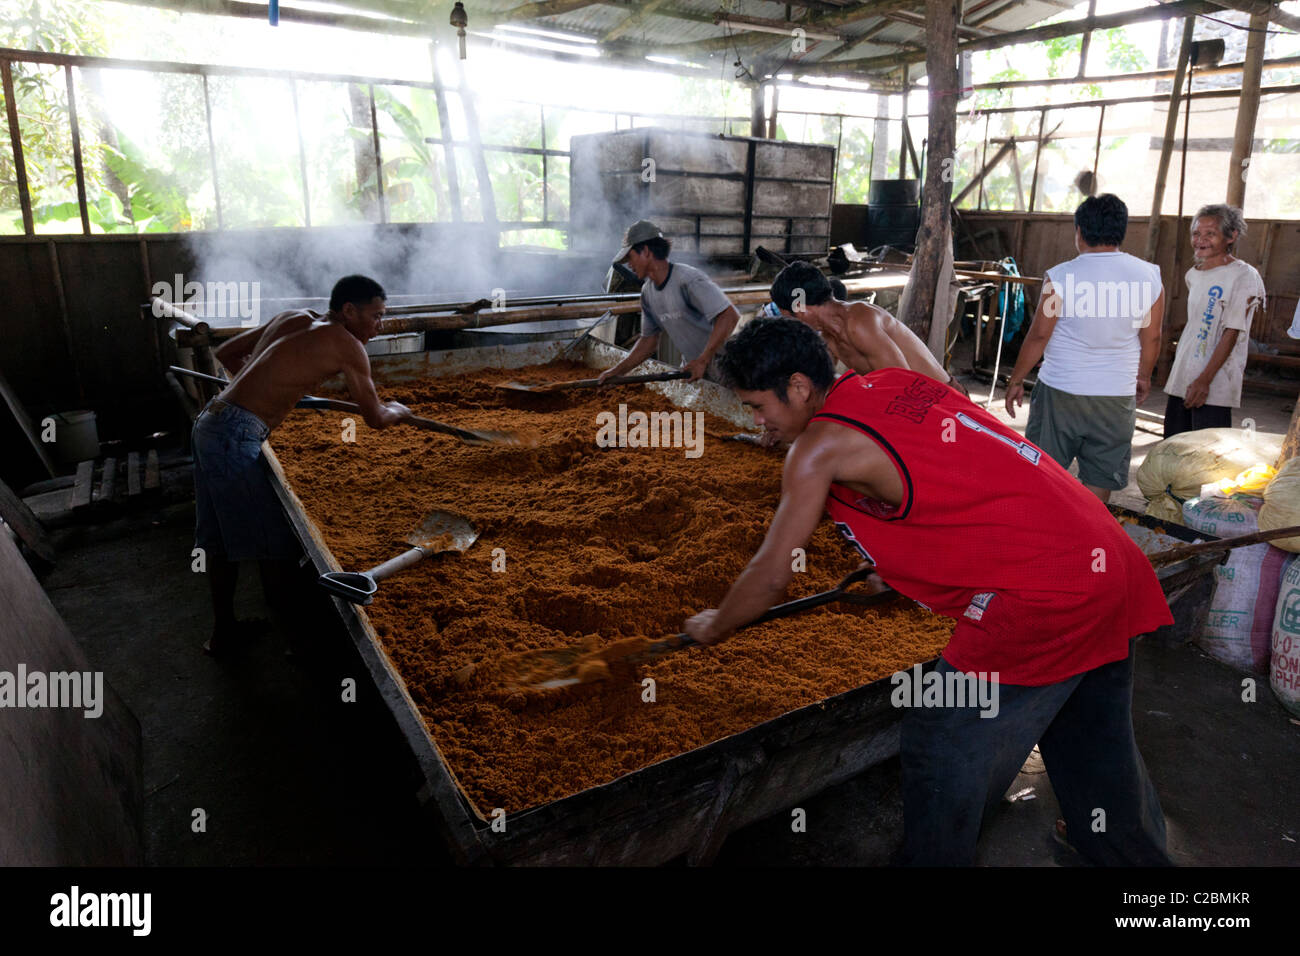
{"points": [[460, 20]]}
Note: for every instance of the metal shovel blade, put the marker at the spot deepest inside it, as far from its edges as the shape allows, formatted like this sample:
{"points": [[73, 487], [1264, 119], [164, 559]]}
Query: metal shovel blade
{"points": [[439, 532], [442, 531]]}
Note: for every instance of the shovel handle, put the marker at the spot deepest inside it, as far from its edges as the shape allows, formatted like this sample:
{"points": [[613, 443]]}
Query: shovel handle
{"points": [[428, 424], [199, 375], [615, 380], [648, 377], [399, 563], [796, 606], [1223, 544]]}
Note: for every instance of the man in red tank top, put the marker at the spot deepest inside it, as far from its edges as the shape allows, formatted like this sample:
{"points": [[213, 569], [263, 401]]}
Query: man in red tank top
{"points": [[961, 514]]}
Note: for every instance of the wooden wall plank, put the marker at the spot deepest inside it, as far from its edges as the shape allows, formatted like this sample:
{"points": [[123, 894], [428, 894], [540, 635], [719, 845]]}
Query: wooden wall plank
{"points": [[71, 785], [28, 527]]}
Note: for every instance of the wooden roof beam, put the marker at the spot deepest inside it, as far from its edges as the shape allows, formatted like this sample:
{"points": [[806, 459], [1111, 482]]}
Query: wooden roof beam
{"points": [[633, 21], [963, 29], [528, 11], [1282, 19], [1179, 8]]}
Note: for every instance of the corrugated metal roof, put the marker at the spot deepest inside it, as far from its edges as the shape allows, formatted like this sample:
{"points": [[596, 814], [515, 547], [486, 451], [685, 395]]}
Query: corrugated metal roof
{"points": [[661, 33]]}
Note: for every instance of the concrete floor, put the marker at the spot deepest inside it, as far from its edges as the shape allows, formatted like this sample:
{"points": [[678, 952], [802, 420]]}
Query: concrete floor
{"points": [[288, 773]]}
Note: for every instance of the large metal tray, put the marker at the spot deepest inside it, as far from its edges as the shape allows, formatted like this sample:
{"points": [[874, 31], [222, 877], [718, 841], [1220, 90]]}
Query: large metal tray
{"points": [[683, 806]]}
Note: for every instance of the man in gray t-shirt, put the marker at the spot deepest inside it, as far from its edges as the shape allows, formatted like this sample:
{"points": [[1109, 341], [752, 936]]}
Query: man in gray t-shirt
{"points": [[677, 299]]}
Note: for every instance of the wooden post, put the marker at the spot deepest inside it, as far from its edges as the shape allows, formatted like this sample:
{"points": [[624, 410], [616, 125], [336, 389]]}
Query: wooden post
{"points": [[1087, 40], [1290, 444], [1038, 155], [77, 164], [16, 141], [212, 153], [379, 157], [1244, 137], [757, 117], [444, 130], [936, 210], [486, 198], [1167, 144]]}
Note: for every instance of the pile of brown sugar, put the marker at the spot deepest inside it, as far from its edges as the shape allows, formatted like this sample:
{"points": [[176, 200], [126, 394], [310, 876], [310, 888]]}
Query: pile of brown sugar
{"points": [[599, 545]]}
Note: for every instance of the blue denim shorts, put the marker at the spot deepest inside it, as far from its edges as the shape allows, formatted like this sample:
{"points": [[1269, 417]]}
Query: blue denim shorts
{"points": [[237, 514]]}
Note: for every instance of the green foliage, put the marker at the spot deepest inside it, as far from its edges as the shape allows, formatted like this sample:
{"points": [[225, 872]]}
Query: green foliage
{"points": [[1062, 52], [1122, 55], [158, 200], [40, 93], [52, 26], [853, 182]]}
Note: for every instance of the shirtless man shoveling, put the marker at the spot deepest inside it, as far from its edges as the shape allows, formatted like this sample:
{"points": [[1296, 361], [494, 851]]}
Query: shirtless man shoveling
{"points": [[863, 336], [237, 514]]}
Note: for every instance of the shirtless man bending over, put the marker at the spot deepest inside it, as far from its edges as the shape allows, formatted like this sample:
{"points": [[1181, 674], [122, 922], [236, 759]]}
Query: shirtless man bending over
{"points": [[237, 514], [863, 336]]}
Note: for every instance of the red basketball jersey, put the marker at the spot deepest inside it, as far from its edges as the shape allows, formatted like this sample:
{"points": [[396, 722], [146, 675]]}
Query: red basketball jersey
{"points": [[1042, 580]]}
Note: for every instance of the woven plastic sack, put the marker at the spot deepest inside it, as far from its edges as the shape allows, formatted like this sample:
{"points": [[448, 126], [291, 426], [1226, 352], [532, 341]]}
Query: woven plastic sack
{"points": [[1177, 467], [1282, 504], [1239, 627]]}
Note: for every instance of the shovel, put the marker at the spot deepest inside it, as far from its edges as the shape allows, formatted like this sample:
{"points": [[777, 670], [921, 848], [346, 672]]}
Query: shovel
{"points": [[468, 435], [441, 531], [593, 382], [570, 666], [1223, 544]]}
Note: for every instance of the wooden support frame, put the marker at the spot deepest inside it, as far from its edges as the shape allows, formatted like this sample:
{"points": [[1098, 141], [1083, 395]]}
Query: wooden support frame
{"points": [[487, 198], [302, 154], [1167, 143], [931, 270], [1033, 34], [77, 161], [212, 152], [444, 129], [1247, 110], [16, 142], [381, 198]]}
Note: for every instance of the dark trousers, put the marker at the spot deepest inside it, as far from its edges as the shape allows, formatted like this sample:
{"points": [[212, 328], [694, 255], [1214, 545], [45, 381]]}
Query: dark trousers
{"points": [[957, 766], [1179, 418]]}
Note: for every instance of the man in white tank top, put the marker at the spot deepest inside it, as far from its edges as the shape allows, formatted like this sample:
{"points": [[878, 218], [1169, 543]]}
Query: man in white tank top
{"points": [[1097, 330]]}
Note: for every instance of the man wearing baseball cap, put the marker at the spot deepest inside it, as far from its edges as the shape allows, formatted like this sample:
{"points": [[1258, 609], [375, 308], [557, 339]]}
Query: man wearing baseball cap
{"points": [[677, 299]]}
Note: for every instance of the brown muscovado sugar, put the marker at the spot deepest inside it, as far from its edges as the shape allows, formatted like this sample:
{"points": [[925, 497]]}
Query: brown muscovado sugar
{"points": [[591, 546]]}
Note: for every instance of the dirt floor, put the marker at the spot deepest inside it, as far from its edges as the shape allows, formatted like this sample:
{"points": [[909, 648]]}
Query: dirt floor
{"points": [[289, 772]]}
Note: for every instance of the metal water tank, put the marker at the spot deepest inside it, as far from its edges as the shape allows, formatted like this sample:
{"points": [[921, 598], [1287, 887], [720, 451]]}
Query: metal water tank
{"points": [[893, 213]]}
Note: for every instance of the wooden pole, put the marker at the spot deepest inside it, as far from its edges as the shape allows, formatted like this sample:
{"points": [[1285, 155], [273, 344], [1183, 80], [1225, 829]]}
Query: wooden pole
{"points": [[1167, 144], [77, 164], [16, 141], [988, 167], [444, 131], [934, 241], [486, 198], [1244, 137], [1051, 31], [1290, 444]]}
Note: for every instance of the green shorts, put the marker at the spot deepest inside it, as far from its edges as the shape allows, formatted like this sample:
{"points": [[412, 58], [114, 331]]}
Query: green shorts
{"points": [[1096, 429]]}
